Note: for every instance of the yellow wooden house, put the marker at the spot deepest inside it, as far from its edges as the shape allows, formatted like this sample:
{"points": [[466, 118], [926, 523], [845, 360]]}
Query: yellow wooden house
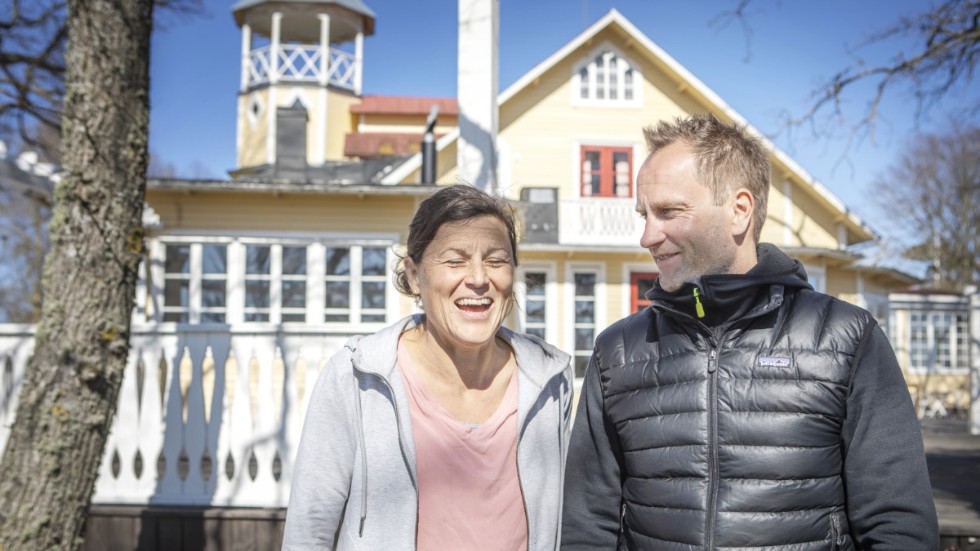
{"points": [[252, 282]]}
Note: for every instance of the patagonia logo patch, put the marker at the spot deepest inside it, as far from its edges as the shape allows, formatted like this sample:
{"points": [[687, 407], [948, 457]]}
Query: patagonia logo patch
{"points": [[774, 361]]}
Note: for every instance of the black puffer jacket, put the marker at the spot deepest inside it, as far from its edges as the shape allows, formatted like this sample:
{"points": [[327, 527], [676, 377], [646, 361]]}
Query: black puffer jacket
{"points": [[778, 419]]}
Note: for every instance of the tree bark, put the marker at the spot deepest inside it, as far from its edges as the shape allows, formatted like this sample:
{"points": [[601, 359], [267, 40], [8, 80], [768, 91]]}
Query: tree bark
{"points": [[68, 397]]}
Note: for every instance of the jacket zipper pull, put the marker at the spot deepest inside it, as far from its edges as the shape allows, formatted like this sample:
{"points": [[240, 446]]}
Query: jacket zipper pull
{"points": [[697, 303], [711, 361]]}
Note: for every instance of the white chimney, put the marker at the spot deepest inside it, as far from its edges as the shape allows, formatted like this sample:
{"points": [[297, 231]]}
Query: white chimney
{"points": [[476, 83]]}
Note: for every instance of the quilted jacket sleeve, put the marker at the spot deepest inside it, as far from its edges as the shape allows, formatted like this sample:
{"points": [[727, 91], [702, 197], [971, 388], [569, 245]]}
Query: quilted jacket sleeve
{"points": [[889, 496]]}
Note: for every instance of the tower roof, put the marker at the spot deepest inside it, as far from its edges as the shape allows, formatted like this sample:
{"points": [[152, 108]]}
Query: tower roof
{"points": [[355, 8]]}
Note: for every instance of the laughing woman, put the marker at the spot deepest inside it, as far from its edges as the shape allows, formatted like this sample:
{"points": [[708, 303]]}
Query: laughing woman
{"points": [[445, 430]]}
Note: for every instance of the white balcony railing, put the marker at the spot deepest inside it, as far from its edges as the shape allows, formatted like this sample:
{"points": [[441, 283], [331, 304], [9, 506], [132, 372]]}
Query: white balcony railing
{"points": [[302, 63], [602, 221], [205, 417]]}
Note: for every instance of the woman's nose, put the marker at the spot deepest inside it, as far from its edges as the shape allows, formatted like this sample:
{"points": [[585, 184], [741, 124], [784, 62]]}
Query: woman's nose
{"points": [[477, 275]]}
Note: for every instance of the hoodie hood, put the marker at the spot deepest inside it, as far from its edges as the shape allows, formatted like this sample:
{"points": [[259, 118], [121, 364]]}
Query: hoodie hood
{"points": [[720, 299]]}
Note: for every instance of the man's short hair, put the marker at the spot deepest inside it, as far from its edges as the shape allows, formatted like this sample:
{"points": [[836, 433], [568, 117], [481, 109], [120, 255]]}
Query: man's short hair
{"points": [[726, 156]]}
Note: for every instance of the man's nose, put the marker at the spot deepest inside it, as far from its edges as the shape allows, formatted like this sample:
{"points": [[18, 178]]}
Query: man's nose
{"points": [[653, 232]]}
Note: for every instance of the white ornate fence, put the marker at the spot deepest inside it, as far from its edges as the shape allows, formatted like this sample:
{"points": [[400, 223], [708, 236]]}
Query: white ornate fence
{"points": [[205, 417], [606, 221]]}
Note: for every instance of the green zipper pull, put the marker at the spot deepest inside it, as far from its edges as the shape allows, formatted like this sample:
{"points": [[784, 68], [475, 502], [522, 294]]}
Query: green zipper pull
{"points": [[697, 303]]}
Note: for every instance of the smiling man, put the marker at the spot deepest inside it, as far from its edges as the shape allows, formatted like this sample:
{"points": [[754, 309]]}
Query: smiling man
{"points": [[742, 409]]}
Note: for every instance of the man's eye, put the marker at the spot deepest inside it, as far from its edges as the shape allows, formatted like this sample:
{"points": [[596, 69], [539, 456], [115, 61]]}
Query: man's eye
{"points": [[456, 262]]}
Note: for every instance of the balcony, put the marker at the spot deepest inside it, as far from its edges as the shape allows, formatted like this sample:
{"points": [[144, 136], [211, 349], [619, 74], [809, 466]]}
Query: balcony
{"points": [[605, 222], [205, 416]]}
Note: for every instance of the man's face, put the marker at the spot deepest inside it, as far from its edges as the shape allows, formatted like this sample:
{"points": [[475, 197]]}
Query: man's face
{"points": [[685, 232]]}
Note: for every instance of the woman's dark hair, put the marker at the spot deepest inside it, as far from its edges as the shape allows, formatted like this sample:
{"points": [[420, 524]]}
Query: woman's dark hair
{"points": [[451, 204]]}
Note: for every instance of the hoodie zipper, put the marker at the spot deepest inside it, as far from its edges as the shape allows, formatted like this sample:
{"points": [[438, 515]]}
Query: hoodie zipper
{"points": [[712, 503]]}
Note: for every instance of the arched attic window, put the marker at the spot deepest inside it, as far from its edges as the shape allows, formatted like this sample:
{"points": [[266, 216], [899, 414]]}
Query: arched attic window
{"points": [[606, 78]]}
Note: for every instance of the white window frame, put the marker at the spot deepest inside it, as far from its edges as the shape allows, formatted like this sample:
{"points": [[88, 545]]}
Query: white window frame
{"points": [[195, 276], [315, 277], [550, 298], [599, 321], [931, 346], [624, 64]]}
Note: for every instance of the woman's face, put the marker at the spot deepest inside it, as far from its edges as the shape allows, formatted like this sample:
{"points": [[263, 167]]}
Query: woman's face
{"points": [[465, 281]]}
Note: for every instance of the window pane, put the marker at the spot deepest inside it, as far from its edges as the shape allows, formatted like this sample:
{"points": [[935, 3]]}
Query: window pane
{"points": [[294, 294], [179, 317], [257, 259], [373, 294], [338, 317], [584, 338], [213, 294], [338, 261], [372, 318], [213, 258], [294, 260], [256, 316], [534, 309], [257, 294], [338, 294], [584, 284], [293, 317], [212, 317], [581, 362], [583, 76], [536, 331], [175, 293], [535, 282], [584, 311], [178, 259], [373, 261]]}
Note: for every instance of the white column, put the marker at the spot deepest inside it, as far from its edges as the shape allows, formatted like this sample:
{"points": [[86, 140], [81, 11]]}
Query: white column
{"points": [[246, 55], [359, 61], [324, 48], [476, 157], [320, 154], [274, 48]]}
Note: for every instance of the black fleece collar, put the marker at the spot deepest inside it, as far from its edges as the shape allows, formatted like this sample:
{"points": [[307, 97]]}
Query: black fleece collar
{"points": [[721, 299]]}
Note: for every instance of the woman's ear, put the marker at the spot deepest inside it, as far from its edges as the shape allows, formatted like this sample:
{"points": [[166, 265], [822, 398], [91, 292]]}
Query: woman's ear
{"points": [[743, 205], [412, 274]]}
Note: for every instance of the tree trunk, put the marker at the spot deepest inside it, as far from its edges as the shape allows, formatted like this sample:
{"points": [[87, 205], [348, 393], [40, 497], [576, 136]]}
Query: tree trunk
{"points": [[69, 393]]}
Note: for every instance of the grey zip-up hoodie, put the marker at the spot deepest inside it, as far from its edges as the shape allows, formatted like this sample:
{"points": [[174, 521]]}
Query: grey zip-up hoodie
{"points": [[354, 480]]}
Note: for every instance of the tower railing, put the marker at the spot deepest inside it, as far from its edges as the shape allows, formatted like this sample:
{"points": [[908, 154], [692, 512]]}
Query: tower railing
{"points": [[302, 63]]}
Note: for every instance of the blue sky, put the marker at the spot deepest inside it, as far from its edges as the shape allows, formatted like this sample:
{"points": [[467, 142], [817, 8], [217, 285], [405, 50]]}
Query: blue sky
{"points": [[772, 69]]}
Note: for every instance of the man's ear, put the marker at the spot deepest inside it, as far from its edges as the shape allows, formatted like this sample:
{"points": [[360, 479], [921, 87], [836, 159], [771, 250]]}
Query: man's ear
{"points": [[743, 205]]}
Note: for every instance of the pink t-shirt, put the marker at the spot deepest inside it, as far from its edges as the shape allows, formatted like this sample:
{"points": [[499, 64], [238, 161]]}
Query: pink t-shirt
{"points": [[469, 493]]}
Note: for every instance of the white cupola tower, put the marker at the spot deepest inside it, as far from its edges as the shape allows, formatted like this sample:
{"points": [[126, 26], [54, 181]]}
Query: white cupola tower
{"points": [[302, 62]]}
